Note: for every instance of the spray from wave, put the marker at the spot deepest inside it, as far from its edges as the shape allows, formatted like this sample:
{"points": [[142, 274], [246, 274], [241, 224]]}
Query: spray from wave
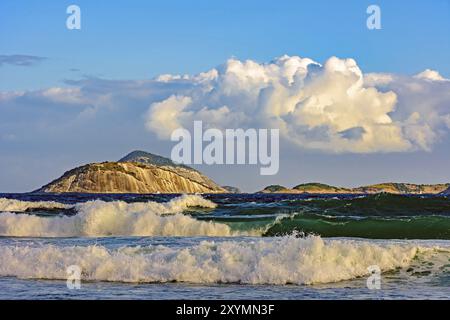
{"points": [[117, 218], [287, 260]]}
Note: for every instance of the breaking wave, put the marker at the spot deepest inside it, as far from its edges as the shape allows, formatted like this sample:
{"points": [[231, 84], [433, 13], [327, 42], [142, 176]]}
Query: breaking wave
{"points": [[286, 260], [371, 217], [117, 218]]}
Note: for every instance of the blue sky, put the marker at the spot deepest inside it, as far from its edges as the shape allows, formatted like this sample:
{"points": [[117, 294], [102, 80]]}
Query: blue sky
{"points": [[138, 40], [141, 39]]}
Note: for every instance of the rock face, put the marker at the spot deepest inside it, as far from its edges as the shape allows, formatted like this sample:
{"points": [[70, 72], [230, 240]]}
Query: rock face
{"points": [[136, 173], [394, 188]]}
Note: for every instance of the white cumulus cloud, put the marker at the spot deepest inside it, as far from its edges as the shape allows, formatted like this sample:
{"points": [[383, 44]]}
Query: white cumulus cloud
{"points": [[431, 75], [332, 107]]}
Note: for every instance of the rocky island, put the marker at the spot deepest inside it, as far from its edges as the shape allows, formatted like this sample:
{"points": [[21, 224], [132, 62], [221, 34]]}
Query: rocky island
{"points": [[138, 172], [394, 188]]}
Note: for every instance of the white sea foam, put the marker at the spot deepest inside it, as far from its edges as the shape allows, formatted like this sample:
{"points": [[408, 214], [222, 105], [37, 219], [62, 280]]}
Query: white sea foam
{"points": [[21, 206], [117, 218], [287, 260]]}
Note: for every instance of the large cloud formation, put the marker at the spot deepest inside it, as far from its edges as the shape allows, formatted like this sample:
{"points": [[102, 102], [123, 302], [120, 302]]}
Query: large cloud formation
{"points": [[332, 107]]}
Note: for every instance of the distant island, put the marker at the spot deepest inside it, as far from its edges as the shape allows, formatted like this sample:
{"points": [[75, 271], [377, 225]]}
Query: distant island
{"points": [[142, 172], [391, 187]]}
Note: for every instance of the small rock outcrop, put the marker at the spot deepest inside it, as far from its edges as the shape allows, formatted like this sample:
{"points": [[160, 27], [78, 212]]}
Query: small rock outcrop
{"points": [[231, 189]]}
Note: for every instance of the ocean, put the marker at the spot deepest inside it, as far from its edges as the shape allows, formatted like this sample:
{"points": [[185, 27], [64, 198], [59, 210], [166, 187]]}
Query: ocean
{"points": [[225, 246]]}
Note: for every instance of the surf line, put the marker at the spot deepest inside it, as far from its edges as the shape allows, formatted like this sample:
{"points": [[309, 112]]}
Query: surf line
{"points": [[237, 142]]}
